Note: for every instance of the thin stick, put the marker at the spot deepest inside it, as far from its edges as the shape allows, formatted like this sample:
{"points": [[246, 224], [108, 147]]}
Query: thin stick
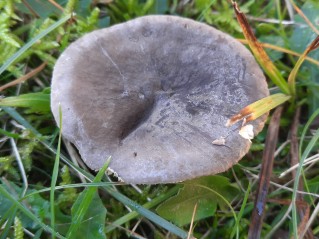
{"points": [[310, 221], [58, 6], [284, 187], [264, 178], [36, 15], [25, 77], [298, 10], [310, 160], [281, 49]]}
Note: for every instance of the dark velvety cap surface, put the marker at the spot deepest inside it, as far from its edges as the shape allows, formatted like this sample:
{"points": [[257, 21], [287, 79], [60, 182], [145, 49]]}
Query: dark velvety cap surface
{"points": [[154, 93]]}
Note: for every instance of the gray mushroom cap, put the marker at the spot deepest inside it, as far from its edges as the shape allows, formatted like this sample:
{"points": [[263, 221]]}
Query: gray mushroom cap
{"points": [[154, 93]]}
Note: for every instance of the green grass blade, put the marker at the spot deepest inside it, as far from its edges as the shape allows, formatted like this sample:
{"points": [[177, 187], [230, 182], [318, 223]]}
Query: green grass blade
{"points": [[200, 18], [236, 228], [38, 102], [302, 157], [120, 197], [55, 174], [15, 115], [241, 212], [27, 212], [147, 205], [37, 235], [9, 134], [16, 55], [9, 216], [295, 70], [146, 213], [3, 220], [123, 219], [75, 185], [305, 130], [85, 203]]}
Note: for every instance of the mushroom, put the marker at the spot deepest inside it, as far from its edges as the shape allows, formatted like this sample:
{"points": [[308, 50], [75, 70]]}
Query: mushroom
{"points": [[154, 93]]}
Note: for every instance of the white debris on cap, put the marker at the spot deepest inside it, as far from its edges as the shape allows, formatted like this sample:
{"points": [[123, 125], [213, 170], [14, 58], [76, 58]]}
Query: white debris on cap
{"points": [[247, 132]]}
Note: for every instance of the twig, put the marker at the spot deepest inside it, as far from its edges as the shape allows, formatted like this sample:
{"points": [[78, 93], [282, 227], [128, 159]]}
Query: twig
{"points": [[36, 15], [281, 49], [298, 10], [58, 6], [264, 179], [270, 20], [310, 221], [25, 77], [310, 160], [284, 187]]}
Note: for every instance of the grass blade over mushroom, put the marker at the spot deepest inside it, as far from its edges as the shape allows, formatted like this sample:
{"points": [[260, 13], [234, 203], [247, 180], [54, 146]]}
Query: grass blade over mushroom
{"points": [[55, 176], [258, 108]]}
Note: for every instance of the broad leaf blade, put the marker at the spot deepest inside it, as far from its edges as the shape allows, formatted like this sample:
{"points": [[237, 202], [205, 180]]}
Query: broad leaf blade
{"points": [[94, 219], [205, 192], [80, 209]]}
